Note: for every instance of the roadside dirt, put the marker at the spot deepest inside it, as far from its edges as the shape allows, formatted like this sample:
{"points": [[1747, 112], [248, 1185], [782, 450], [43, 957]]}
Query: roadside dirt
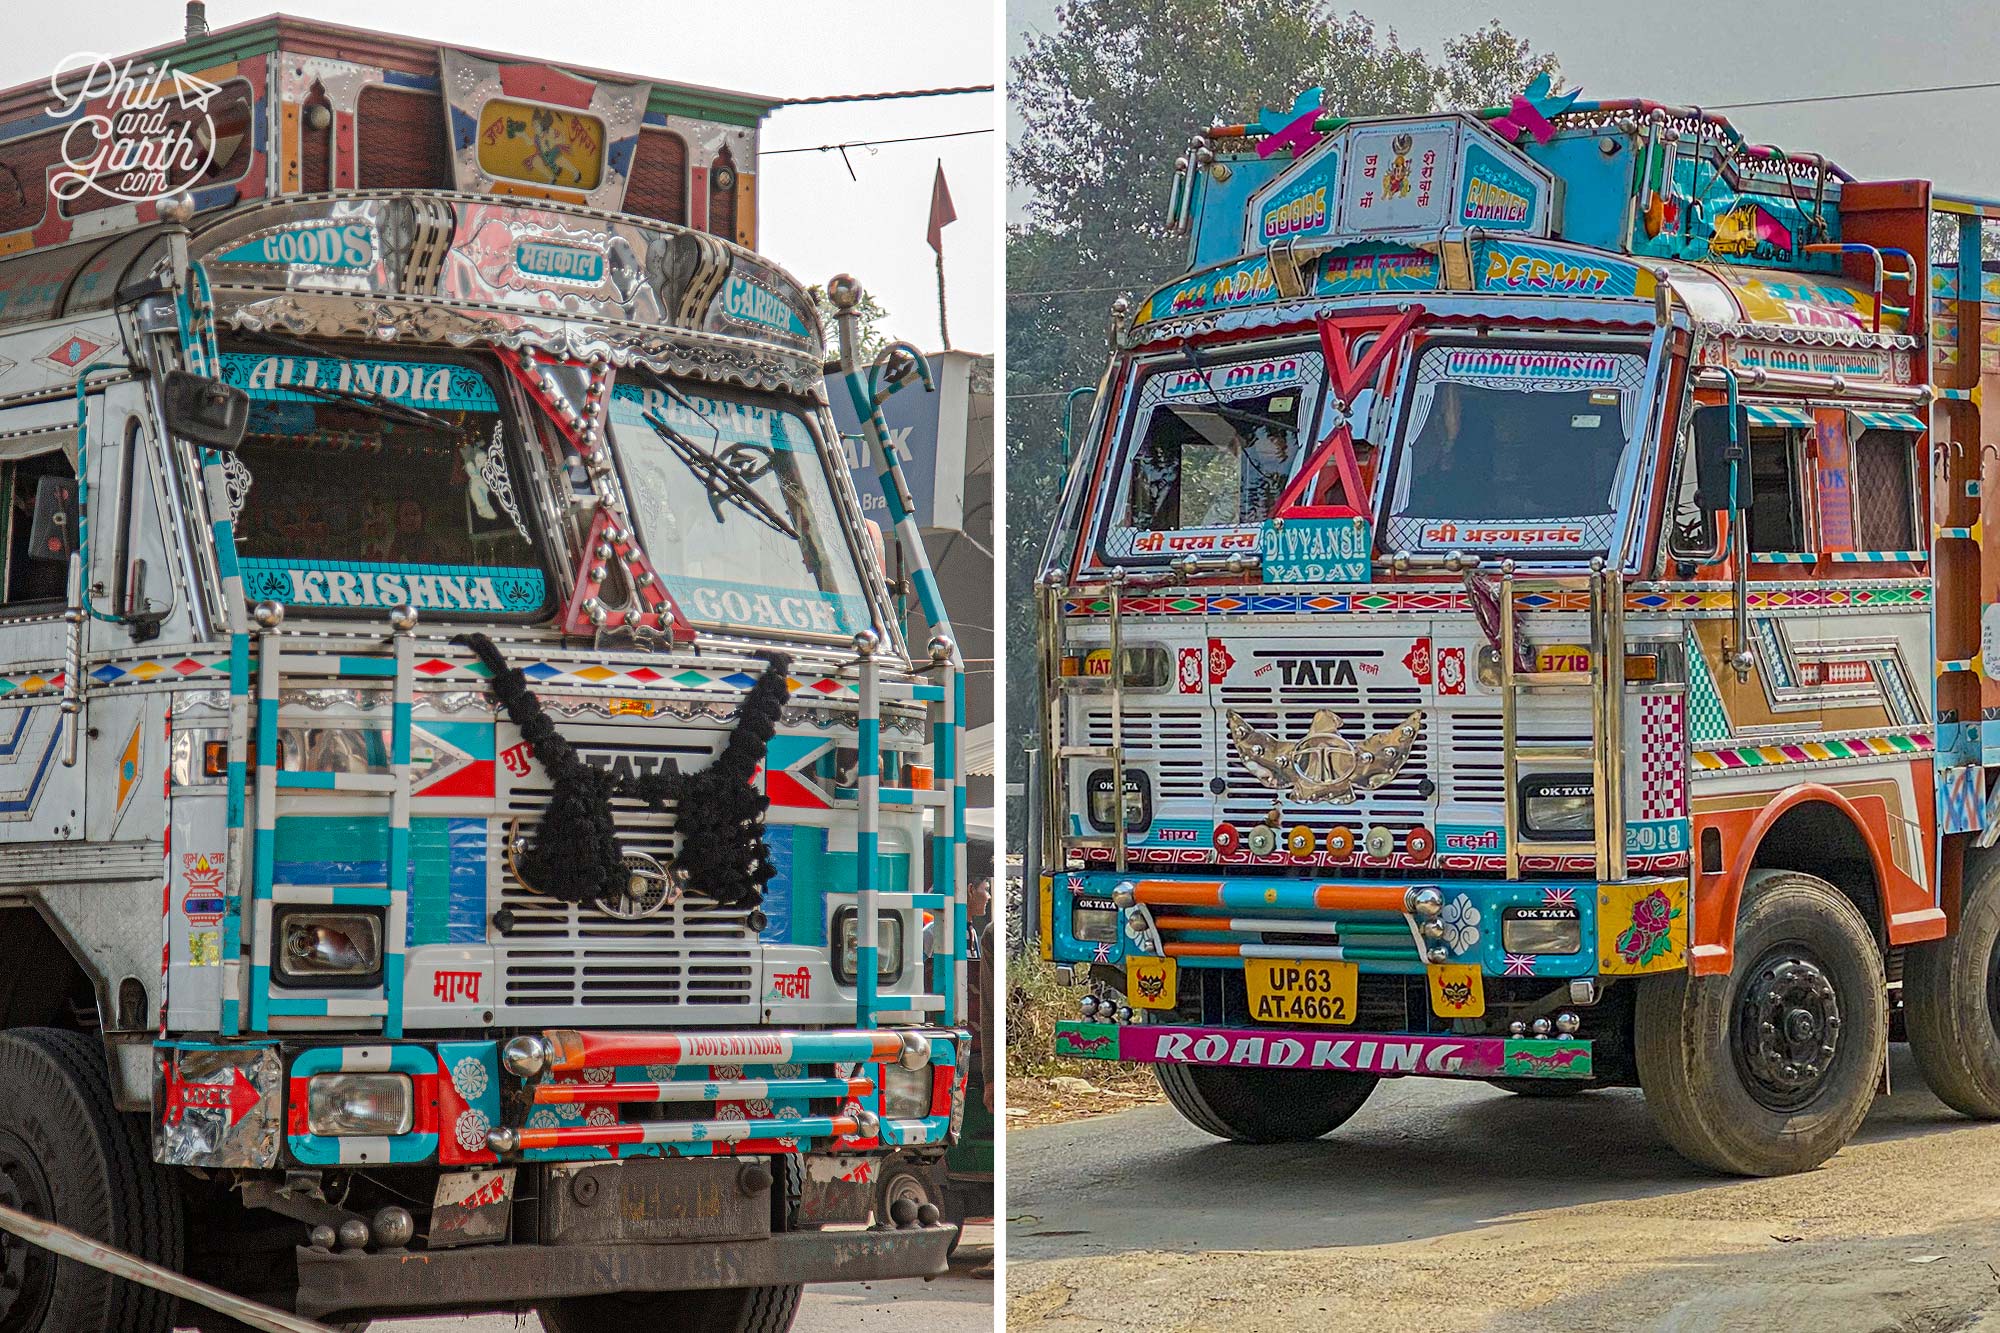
{"points": [[1901, 1233]]}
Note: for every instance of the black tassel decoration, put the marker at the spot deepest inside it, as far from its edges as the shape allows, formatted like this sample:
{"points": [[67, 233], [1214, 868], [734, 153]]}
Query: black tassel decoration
{"points": [[720, 817]]}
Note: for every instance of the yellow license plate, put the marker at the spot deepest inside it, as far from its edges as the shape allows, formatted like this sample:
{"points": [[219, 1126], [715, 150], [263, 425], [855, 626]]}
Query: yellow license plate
{"points": [[1562, 657], [1283, 990]]}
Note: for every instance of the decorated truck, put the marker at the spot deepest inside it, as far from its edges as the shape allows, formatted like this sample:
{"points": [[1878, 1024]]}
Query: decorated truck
{"points": [[466, 800], [1519, 612]]}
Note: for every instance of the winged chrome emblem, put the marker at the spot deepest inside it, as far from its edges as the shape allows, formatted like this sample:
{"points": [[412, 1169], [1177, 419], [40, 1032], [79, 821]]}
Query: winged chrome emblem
{"points": [[1322, 766]]}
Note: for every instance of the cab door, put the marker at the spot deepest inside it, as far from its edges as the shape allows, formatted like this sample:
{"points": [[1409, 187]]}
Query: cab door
{"points": [[41, 796]]}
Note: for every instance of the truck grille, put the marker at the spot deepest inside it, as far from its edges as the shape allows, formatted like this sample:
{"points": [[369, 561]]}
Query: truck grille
{"points": [[696, 960]]}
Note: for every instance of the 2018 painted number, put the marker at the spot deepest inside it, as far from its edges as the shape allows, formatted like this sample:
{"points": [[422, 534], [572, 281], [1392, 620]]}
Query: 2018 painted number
{"points": [[1285, 991]]}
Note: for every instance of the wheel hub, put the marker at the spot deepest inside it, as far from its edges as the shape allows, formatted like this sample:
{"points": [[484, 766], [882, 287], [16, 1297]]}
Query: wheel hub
{"points": [[1788, 1029], [27, 1272]]}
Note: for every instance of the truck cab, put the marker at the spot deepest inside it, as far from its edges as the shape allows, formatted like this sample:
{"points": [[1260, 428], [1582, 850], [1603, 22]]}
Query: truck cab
{"points": [[467, 790]]}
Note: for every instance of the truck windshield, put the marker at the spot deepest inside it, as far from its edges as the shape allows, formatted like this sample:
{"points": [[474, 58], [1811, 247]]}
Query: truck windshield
{"points": [[731, 493], [1212, 446], [1515, 448], [376, 483]]}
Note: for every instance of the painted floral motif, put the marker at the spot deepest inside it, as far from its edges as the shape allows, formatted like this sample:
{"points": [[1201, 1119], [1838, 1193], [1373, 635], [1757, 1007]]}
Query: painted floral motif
{"points": [[1460, 920], [468, 1078], [1651, 931], [470, 1131]]}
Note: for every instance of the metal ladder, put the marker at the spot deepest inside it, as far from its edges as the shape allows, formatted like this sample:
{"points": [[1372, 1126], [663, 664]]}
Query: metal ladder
{"points": [[1060, 687], [1605, 682], [269, 1006]]}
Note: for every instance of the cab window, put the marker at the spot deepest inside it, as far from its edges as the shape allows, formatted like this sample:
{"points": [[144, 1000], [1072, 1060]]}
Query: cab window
{"points": [[1885, 511], [37, 572], [1777, 491]]}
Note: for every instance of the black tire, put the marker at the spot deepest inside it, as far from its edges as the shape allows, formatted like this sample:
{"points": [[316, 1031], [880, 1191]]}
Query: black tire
{"points": [[1264, 1105], [1545, 1087], [68, 1155], [1951, 1001], [728, 1310], [1727, 1087]]}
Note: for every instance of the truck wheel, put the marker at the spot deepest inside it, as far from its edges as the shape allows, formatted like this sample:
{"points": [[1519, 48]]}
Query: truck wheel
{"points": [[902, 1180], [1545, 1087], [727, 1310], [1772, 1068], [68, 1156], [1264, 1105], [1951, 1002]]}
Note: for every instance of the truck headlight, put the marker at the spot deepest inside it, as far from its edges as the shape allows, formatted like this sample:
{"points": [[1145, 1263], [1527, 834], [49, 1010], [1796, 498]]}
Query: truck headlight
{"points": [[1093, 920], [322, 948], [906, 1093], [847, 937], [1541, 930], [359, 1105], [1138, 801], [1558, 805]]}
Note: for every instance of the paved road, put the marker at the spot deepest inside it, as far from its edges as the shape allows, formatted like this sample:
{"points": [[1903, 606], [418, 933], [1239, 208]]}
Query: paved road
{"points": [[957, 1303], [1445, 1206]]}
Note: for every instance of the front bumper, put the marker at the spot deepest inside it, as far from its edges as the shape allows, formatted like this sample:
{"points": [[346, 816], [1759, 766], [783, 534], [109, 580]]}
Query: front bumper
{"points": [[1387, 1053], [1623, 928], [505, 1277]]}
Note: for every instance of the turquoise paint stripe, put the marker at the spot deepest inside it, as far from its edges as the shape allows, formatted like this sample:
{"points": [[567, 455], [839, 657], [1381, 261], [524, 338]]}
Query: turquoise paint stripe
{"points": [[267, 731], [322, 781], [927, 693], [400, 734], [383, 668]]}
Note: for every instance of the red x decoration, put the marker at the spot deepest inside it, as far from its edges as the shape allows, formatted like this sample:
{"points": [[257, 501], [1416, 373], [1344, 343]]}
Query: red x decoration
{"points": [[1345, 378], [611, 538]]}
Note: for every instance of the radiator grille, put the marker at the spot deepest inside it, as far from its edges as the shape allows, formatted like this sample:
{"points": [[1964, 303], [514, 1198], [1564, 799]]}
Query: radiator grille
{"points": [[557, 958]]}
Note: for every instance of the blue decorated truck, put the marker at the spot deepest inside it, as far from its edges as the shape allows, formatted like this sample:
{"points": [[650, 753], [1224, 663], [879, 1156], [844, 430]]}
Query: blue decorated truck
{"points": [[467, 804], [1519, 612]]}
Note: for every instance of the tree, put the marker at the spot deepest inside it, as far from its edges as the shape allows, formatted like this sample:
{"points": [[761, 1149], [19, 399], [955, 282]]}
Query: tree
{"points": [[873, 338], [1109, 99]]}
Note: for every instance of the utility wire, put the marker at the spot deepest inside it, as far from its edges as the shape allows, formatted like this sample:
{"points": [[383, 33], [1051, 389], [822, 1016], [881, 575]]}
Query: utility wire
{"points": [[1855, 97], [871, 143], [883, 97]]}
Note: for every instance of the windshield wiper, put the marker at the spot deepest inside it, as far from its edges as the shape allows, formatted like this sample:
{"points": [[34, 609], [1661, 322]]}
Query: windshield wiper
{"points": [[379, 404], [721, 475], [1229, 413]]}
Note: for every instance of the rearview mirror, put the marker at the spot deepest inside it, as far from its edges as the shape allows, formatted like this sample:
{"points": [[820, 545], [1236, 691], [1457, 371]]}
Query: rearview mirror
{"points": [[1720, 437], [205, 411], [52, 534]]}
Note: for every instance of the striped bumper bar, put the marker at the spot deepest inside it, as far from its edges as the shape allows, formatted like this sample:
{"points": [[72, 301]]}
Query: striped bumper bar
{"points": [[567, 1051]]}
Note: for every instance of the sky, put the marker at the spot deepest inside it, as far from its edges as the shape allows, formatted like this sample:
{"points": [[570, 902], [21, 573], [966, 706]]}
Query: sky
{"points": [[1710, 53], [814, 219]]}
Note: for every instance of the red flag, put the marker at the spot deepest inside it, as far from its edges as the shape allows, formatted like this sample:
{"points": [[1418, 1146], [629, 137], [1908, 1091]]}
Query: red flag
{"points": [[942, 213]]}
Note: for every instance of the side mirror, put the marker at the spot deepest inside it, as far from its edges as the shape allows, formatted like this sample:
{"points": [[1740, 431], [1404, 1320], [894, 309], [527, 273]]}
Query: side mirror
{"points": [[1720, 437], [206, 411], [52, 534]]}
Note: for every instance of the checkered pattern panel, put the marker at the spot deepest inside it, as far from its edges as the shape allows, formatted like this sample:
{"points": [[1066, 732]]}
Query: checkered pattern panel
{"points": [[1662, 756], [1707, 722]]}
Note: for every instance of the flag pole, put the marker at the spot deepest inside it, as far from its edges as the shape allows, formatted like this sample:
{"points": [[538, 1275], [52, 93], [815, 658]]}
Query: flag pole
{"points": [[944, 329]]}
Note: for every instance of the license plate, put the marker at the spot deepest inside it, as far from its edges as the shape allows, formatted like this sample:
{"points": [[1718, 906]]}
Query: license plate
{"points": [[471, 1207], [1562, 657], [1283, 990]]}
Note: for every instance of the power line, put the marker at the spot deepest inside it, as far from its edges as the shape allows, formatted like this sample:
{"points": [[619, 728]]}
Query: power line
{"points": [[1070, 291], [1855, 97], [871, 143], [883, 97]]}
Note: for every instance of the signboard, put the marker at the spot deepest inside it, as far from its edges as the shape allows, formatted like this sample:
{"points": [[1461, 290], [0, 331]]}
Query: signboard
{"points": [[929, 432], [535, 130], [1315, 550], [1403, 178]]}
